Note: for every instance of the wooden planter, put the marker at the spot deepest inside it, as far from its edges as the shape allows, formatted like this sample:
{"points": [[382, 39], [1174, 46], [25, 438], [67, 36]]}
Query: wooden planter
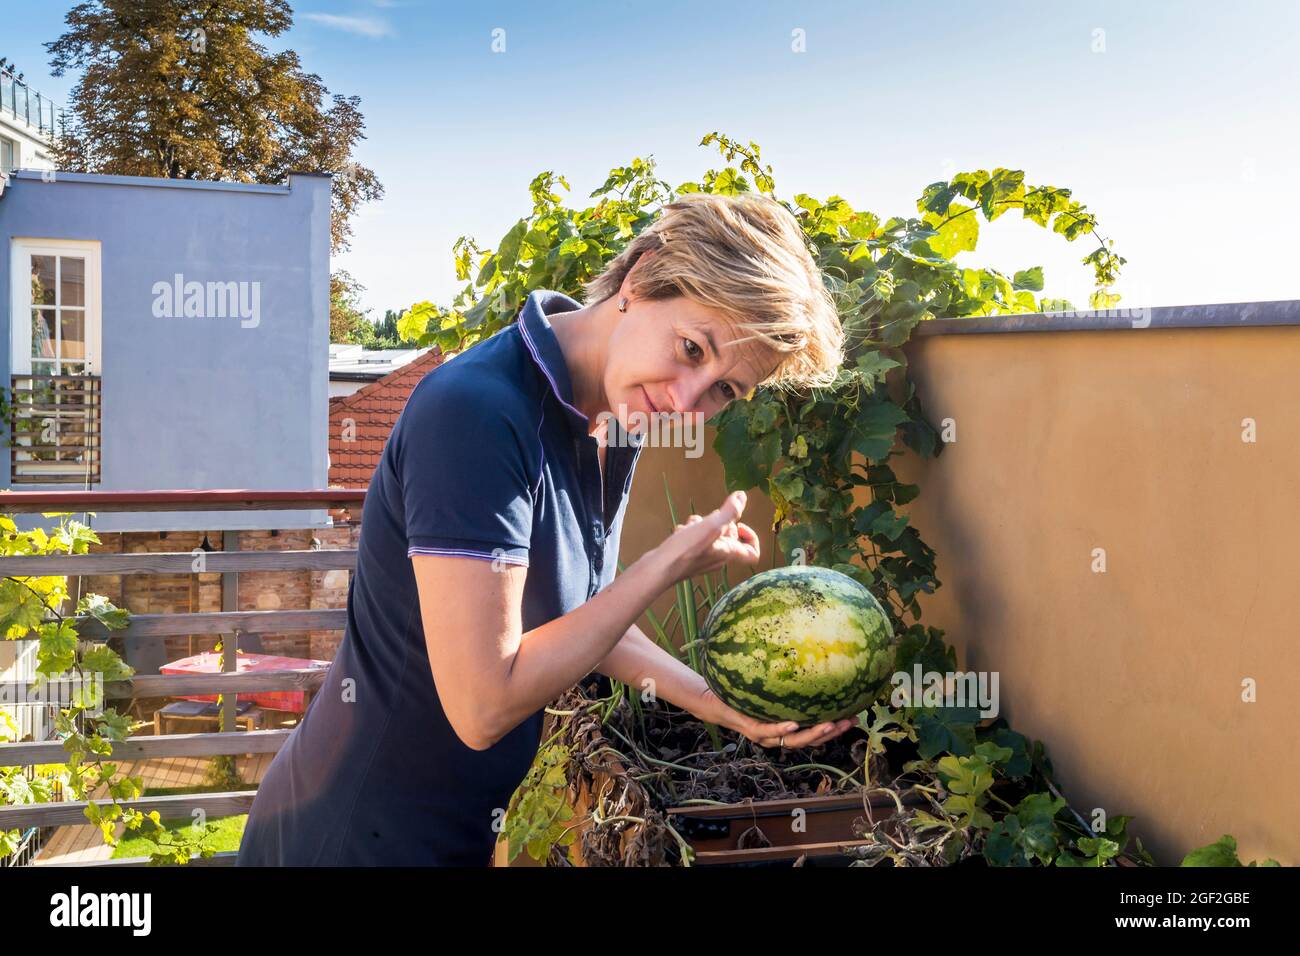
{"points": [[723, 835], [824, 828]]}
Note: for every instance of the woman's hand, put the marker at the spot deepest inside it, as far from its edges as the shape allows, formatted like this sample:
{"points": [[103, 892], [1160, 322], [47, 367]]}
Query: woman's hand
{"points": [[705, 544], [781, 734]]}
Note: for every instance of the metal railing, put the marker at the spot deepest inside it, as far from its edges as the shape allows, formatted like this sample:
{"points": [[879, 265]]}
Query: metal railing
{"points": [[26, 105], [231, 624]]}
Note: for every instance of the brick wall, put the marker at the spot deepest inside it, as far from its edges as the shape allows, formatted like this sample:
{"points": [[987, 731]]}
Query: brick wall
{"points": [[258, 590]]}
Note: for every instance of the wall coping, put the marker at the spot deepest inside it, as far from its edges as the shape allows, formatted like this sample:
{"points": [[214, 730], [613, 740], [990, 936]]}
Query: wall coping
{"points": [[96, 179], [1210, 316]]}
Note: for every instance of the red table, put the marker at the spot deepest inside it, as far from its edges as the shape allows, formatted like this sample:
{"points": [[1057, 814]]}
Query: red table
{"points": [[209, 662]]}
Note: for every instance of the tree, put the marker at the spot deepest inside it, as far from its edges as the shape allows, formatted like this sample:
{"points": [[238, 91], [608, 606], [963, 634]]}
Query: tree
{"points": [[351, 324], [183, 90], [347, 318]]}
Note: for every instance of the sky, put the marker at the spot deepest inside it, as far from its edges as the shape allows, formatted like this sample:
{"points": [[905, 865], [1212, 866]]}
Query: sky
{"points": [[1176, 123]]}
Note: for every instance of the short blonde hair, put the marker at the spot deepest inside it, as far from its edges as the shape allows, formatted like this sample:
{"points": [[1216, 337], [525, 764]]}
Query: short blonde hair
{"points": [[746, 256]]}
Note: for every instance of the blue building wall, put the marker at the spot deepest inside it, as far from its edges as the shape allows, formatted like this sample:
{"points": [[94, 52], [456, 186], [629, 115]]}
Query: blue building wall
{"points": [[203, 403]]}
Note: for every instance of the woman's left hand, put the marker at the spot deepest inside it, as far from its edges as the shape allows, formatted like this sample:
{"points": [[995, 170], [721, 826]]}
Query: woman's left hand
{"points": [[711, 709]]}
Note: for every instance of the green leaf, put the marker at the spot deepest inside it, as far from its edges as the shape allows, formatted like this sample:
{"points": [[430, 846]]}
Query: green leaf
{"points": [[968, 779], [56, 651], [414, 322], [508, 250], [889, 525], [1004, 187], [924, 646], [21, 605], [102, 610], [874, 366], [747, 462], [946, 730], [936, 198], [959, 231], [1017, 764], [1003, 844], [104, 661], [790, 485], [1097, 850], [1222, 852], [873, 428], [1031, 279]]}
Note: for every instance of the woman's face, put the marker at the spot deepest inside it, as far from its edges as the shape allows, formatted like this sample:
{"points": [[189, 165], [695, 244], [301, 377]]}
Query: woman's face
{"points": [[675, 355]]}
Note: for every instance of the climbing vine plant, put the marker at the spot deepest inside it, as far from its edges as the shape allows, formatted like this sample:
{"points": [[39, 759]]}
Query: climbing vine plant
{"points": [[822, 455], [32, 608]]}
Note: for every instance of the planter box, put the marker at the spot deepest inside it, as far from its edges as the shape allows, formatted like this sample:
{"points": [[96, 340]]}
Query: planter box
{"points": [[826, 827], [720, 834]]}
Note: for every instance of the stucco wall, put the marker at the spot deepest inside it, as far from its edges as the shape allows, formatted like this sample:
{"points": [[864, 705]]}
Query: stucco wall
{"points": [[646, 522], [210, 402], [1129, 440]]}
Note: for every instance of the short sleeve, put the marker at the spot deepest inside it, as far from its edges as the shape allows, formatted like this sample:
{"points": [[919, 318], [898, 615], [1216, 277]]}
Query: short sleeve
{"points": [[467, 457]]}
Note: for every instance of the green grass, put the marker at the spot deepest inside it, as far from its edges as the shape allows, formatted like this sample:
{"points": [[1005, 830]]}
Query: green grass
{"points": [[230, 830]]}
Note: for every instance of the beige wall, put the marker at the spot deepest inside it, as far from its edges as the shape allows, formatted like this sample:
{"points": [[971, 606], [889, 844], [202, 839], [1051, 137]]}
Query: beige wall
{"points": [[1129, 441], [646, 522]]}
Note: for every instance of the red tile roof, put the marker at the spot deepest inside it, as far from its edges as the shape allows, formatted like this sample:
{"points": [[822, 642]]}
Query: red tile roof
{"points": [[373, 411]]}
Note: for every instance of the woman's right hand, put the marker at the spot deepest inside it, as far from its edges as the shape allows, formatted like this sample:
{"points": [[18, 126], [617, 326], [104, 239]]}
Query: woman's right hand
{"points": [[705, 543]]}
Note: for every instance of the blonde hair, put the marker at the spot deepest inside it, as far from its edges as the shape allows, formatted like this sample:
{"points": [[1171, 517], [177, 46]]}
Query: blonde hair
{"points": [[747, 257]]}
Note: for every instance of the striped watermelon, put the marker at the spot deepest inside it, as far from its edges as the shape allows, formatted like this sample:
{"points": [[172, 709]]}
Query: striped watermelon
{"points": [[797, 643]]}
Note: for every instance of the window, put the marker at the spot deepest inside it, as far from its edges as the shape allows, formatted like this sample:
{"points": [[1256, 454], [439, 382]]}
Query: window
{"points": [[55, 347], [8, 156]]}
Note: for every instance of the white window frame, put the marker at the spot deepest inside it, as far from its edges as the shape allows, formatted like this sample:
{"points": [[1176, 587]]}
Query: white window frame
{"points": [[20, 321], [16, 152]]}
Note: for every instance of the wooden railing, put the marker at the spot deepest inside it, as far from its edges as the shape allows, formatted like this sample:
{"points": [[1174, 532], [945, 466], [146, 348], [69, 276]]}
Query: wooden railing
{"points": [[55, 429], [232, 624]]}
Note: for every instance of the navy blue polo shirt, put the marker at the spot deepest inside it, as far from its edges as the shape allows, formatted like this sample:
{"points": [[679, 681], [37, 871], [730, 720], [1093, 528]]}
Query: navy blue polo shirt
{"points": [[488, 460]]}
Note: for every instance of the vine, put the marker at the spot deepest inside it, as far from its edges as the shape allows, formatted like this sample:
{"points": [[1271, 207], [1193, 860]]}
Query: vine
{"points": [[31, 608]]}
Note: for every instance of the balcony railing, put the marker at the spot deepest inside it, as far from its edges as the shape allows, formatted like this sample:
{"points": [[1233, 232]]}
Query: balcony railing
{"points": [[55, 429], [24, 104], [230, 624]]}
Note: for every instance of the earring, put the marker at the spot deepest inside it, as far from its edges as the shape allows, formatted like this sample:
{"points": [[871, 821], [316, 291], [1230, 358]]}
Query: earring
{"points": [[622, 304]]}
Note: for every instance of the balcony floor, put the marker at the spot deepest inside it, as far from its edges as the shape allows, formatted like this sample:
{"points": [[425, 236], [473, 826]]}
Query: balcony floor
{"points": [[85, 844]]}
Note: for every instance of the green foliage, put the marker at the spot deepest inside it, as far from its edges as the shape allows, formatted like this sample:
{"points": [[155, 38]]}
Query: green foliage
{"points": [[173, 841], [223, 773], [539, 812], [1222, 852], [836, 500], [822, 457], [351, 324], [31, 608]]}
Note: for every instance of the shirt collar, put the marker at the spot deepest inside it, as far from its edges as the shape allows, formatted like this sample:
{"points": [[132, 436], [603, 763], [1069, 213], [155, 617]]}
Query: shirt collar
{"points": [[544, 348]]}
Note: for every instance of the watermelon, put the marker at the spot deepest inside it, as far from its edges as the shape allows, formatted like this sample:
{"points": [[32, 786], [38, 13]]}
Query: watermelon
{"points": [[798, 643]]}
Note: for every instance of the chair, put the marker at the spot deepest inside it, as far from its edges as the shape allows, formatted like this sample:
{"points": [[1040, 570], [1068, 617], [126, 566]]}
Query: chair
{"points": [[203, 712]]}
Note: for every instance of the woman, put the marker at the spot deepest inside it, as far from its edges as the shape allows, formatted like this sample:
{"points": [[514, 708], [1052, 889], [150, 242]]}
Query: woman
{"points": [[485, 583]]}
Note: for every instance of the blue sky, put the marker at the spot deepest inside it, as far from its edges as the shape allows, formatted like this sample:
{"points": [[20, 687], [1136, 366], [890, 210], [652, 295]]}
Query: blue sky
{"points": [[1177, 124]]}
